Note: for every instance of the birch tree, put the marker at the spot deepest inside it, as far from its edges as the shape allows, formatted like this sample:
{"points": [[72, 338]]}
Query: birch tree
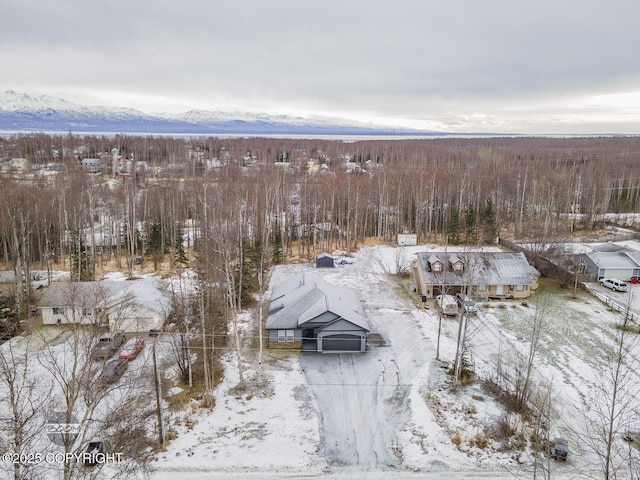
{"points": [[611, 411], [24, 397]]}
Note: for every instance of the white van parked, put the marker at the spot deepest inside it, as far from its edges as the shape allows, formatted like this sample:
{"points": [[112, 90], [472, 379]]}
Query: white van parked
{"points": [[614, 284], [447, 304]]}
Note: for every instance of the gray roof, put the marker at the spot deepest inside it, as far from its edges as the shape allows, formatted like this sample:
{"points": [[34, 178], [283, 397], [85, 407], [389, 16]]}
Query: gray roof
{"points": [[147, 291], [85, 294], [627, 258], [91, 161], [433, 259], [633, 255], [480, 268], [304, 297], [608, 247]]}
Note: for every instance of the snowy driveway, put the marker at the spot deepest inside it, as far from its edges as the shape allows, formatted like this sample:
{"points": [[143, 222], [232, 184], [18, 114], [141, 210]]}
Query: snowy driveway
{"points": [[361, 406], [363, 398]]}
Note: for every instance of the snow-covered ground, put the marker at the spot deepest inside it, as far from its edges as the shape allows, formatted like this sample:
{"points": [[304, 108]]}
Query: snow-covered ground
{"points": [[390, 412]]}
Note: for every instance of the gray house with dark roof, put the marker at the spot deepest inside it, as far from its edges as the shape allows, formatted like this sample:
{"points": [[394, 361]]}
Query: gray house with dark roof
{"points": [[309, 314], [479, 274]]}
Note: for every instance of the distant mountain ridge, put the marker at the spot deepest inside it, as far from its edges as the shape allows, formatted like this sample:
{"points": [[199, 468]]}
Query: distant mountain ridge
{"points": [[23, 113]]}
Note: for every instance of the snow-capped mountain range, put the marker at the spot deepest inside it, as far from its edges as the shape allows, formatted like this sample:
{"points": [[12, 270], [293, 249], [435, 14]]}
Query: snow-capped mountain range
{"points": [[20, 112]]}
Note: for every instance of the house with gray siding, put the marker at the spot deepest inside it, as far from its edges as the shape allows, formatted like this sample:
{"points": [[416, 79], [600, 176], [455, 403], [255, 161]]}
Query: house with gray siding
{"points": [[610, 260], [310, 314]]}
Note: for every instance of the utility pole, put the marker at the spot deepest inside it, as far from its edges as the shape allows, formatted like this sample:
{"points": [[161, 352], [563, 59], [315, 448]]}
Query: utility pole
{"points": [[158, 398], [575, 284]]}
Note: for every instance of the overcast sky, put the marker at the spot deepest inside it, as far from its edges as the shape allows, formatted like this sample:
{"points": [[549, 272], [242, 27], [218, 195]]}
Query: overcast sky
{"points": [[543, 66]]}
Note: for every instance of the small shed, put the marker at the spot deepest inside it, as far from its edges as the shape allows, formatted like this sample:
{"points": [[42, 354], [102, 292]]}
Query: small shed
{"points": [[407, 239], [324, 260]]}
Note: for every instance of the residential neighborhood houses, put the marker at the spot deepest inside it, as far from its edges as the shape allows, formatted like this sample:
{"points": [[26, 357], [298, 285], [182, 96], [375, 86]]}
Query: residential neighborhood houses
{"points": [[192, 161]]}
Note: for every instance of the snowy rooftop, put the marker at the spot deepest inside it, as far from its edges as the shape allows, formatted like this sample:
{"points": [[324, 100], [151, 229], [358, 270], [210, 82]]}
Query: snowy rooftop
{"points": [[304, 297], [485, 268], [147, 291], [613, 259]]}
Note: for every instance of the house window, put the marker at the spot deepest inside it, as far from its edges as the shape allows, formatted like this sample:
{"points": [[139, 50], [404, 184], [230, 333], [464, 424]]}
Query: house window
{"points": [[56, 311], [285, 335], [436, 267], [457, 267], [519, 288], [482, 288]]}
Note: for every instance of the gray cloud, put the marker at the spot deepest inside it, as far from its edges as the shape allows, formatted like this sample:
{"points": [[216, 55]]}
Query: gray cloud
{"points": [[466, 62]]}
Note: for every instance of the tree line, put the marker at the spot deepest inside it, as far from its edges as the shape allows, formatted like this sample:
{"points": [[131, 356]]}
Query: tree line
{"points": [[231, 197]]}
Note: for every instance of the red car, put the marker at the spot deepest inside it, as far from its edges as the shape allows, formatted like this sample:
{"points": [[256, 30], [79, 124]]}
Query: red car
{"points": [[131, 349]]}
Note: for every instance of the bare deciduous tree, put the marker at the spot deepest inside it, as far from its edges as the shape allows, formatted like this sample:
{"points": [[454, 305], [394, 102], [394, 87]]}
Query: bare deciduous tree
{"points": [[24, 399], [611, 411]]}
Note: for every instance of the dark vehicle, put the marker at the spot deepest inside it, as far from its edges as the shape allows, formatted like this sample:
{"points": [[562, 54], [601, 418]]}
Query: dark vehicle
{"points": [[465, 302], [113, 370], [107, 345], [559, 449]]}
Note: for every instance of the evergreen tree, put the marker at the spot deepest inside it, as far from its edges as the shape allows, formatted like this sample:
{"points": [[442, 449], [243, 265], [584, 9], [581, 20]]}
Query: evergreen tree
{"points": [[470, 232], [155, 244], [453, 227], [488, 216], [248, 275], [81, 265], [277, 254], [180, 254]]}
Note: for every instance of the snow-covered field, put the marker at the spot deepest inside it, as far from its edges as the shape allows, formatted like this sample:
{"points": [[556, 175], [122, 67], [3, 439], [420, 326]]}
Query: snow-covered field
{"points": [[390, 413]]}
